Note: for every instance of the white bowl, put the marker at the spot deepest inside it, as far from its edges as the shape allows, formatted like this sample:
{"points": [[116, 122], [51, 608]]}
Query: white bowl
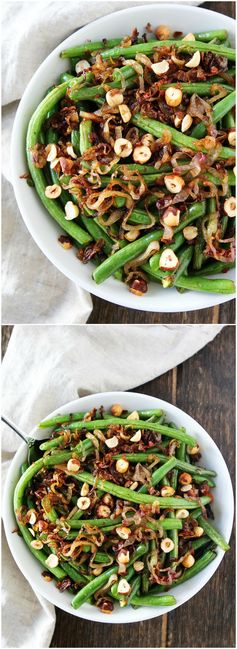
{"points": [[223, 510], [40, 224]]}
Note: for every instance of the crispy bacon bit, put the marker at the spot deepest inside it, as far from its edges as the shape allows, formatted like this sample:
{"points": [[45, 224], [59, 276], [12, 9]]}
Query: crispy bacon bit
{"points": [[87, 253], [39, 155]]}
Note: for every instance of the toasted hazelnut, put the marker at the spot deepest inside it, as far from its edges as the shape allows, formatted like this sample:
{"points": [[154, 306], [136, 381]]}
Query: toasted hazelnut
{"points": [[134, 416], [168, 260], [71, 211], [162, 33], [71, 152], [125, 113], [103, 511], [190, 232], [186, 123], [112, 442], [194, 61], [148, 139], [114, 97], [52, 561], [174, 183], [186, 488], [81, 66], [232, 138], [188, 561], [167, 545], [85, 489], [123, 557], [136, 437], [123, 532], [124, 587], [52, 152], [122, 466], [177, 121], [167, 491], [160, 68], [83, 502], [185, 478], [33, 517], [133, 486], [182, 513], [132, 235], [198, 531], [141, 154], [189, 37], [73, 465], [230, 206], [116, 410], [171, 216], [173, 96], [122, 147], [65, 242], [193, 450], [54, 163], [47, 576], [37, 545], [138, 566], [53, 191]]}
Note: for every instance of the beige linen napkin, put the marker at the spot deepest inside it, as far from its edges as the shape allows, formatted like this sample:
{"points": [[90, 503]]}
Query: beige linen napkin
{"points": [[44, 367], [33, 289]]}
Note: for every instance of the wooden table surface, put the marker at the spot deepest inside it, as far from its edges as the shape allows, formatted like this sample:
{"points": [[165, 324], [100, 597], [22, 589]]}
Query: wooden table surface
{"points": [[203, 386], [104, 311]]}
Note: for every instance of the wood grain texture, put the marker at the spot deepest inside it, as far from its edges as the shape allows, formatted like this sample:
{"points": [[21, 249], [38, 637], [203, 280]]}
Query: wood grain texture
{"points": [[203, 386], [6, 335]]}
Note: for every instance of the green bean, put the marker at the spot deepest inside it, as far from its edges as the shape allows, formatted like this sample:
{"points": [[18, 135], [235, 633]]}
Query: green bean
{"points": [[24, 467], [213, 534], [221, 34], [80, 50], [199, 245], [145, 581], [78, 94], [220, 109], [102, 557], [73, 573], [133, 496], [98, 582], [97, 233], [149, 600], [37, 175], [137, 424], [184, 261], [201, 88], [180, 140], [165, 524], [198, 543], [229, 120], [85, 135], [181, 452], [215, 267], [193, 212], [152, 45], [160, 473], [65, 76], [135, 587], [75, 140], [196, 283], [199, 479], [61, 419], [121, 257], [179, 464], [188, 573], [95, 522]]}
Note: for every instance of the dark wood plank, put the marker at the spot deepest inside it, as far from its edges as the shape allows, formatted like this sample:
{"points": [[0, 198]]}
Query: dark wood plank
{"points": [[205, 389], [6, 335], [226, 8], [105, 312], [75, 632]]}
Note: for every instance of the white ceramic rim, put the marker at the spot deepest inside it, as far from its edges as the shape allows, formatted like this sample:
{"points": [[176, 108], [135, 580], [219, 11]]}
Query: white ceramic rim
{"points": [[156, 300], [135, 401]]}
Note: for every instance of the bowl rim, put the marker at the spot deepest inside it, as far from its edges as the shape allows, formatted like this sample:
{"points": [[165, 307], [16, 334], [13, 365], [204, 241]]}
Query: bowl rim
{"points": [[191, 301], [87, 402]]}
